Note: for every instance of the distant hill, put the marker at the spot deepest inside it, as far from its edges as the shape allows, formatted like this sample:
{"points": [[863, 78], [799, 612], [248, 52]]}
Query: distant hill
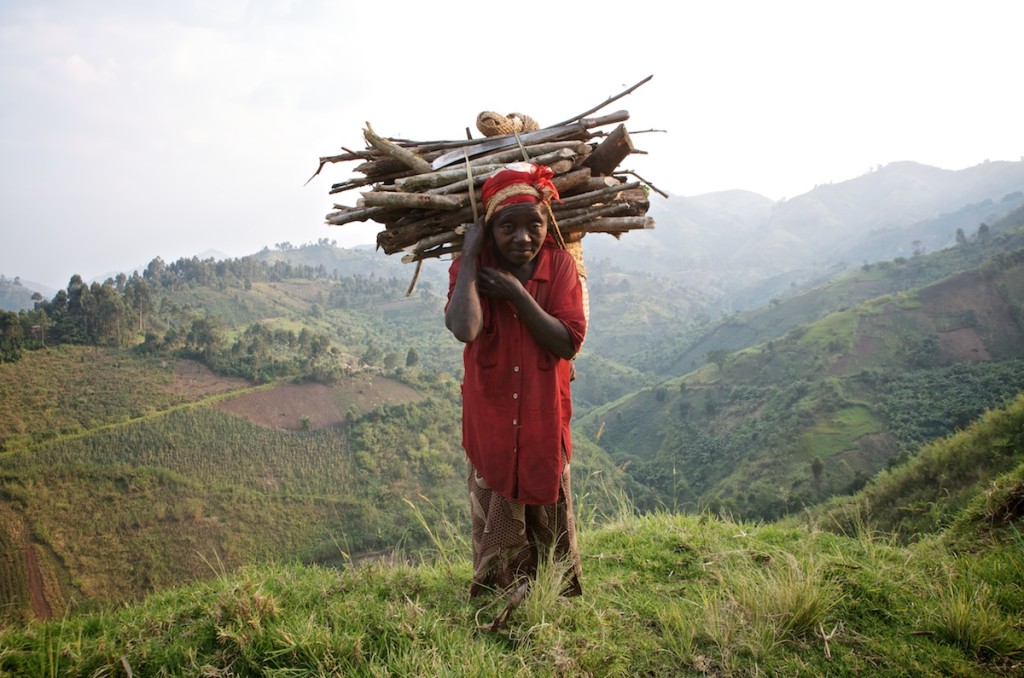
{"points": [[360, 261], [16, 294], [766, 429], [742, 249]]}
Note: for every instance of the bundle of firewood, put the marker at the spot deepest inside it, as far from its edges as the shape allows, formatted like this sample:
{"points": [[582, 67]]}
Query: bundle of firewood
{"points": [[425, 193]]}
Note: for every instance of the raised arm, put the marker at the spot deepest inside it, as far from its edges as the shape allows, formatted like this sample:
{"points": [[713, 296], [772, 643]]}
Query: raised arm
{"points": [[464, 315]]}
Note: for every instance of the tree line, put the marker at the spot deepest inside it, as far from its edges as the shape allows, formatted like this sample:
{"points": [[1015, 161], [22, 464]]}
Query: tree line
{"points": [[116, 312]]}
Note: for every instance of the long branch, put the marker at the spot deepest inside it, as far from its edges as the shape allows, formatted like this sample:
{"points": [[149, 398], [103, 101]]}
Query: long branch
{"points": [[607, 101]]}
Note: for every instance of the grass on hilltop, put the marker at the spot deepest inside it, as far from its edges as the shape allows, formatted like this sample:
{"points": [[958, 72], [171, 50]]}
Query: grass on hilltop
{"points": [[663, 595]]}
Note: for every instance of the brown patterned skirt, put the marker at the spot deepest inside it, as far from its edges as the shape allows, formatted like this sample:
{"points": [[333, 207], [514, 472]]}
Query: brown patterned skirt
{"points": [[510, 538]]}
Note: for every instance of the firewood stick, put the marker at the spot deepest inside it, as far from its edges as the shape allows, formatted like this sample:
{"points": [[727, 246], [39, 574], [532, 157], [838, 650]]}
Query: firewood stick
{"points": [[534, 151], [439, 179], [411, 201], [349, 215], [612, 225], [654, 188], [609, 153], [581, 216], [433, 179], [575, 130], [571, 180], [443, 221], [378, 164], [392, 149], [366, 181], [607, 101], [439, 239], [591, 197], [431, 254]]}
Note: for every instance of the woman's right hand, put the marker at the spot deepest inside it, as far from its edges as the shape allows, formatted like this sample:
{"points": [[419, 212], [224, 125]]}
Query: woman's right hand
{"points": [[473, 238]]}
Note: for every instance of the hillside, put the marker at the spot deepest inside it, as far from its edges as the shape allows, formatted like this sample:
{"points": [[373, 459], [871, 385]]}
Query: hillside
{"points": [[679, 353], [202, 415], [664, 594], [925, 495], [817, 411], [239, 413]]}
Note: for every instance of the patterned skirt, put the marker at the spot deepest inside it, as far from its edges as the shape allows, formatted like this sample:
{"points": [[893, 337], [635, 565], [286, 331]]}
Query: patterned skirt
{"points": [[510, 538]]}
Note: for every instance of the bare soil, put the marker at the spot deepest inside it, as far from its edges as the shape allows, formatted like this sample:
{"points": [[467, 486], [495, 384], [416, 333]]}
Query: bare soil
{"points": [[36, 590], [296, 407], [194, 380]]}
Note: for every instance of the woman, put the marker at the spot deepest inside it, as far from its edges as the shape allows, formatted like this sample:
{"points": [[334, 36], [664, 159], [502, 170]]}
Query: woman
{"points": [[516, 301]]}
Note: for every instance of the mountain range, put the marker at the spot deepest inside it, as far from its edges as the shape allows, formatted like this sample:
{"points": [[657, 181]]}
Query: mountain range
{"points": [[739, 249]]}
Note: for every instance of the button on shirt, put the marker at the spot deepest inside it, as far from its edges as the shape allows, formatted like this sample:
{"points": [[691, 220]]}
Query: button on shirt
{"points": [[516, 400]]}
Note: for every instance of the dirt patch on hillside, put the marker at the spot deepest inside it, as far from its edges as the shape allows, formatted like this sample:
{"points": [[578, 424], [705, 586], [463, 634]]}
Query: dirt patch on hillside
{"points": [[296, 407], [194, 380], [865, 348], [963, 345], [36, 590]]}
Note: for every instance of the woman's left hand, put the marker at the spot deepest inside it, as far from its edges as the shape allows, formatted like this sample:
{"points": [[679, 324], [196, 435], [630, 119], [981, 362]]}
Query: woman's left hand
{"points": [[499, 284]]}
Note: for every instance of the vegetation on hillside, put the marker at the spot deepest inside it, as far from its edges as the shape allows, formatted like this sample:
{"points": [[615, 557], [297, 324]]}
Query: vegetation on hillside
{"points": [[123, 463], [768, 430], [663, 595], [243, 317], [924, 495]]}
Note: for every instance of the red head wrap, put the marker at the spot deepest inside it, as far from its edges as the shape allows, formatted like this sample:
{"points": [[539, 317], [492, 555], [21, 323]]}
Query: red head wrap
{"points": [[518, 182]]}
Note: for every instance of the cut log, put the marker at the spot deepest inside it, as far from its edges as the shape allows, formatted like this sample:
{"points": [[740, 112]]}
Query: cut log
{"points": [[610, 152]]}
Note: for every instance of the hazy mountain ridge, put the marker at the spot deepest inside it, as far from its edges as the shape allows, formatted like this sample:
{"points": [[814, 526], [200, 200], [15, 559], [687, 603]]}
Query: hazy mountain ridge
{"points": [[728, 245]]}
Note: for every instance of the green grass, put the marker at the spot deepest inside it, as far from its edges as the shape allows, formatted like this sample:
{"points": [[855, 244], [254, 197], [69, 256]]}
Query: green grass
{"points": [[663, 595], [70, 389], [839, 433]]}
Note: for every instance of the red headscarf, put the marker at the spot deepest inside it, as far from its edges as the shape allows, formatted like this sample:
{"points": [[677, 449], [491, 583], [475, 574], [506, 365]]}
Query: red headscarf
{"points": [[518, 182]]}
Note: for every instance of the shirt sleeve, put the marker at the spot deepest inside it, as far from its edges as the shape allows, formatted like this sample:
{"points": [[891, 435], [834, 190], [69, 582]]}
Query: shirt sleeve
{"points": [[453, 274]]}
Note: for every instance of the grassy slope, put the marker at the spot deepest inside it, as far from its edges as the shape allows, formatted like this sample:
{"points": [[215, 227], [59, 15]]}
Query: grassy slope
{"points": [[133, 508], [664, 595], [138, 505], [924, 495]]}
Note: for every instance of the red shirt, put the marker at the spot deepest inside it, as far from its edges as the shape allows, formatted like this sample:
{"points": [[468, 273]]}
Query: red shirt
{"points": [[516, 401]]}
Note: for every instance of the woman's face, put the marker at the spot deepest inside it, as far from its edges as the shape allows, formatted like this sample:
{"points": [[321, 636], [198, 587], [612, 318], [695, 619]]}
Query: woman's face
{"points": [[519, 231]]}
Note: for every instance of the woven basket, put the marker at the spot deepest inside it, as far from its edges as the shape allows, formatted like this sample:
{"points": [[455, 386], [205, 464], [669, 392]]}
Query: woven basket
{"points": [[575, 248], [493, 124]]}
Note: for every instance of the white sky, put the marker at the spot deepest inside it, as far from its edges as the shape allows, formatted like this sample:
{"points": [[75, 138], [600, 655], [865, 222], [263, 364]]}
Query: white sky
{"points": [[135, 129]]}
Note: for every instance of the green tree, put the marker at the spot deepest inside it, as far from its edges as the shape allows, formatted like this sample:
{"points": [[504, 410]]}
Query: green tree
{"points": [[719, 357], [412, 358], [983, 233], [372, 355], [961, 239], [204, 339], [11, 337], [138, 299]]}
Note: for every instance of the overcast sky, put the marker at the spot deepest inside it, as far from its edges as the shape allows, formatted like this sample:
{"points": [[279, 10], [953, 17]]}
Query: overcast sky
{"points": [[133, 129]]}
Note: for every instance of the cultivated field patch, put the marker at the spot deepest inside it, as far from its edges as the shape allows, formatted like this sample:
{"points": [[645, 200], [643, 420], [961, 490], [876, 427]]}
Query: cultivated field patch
{"points": [[297, 407]]}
